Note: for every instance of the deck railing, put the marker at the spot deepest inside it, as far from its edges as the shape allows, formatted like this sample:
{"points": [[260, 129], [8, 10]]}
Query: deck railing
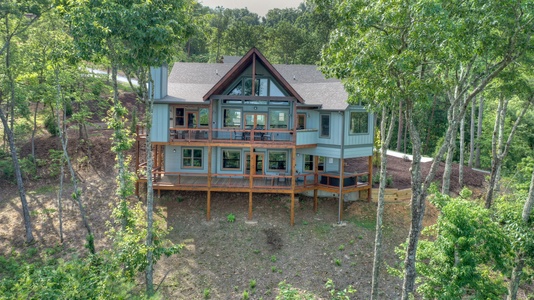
{"points": [[263, 181], [230, 135]]}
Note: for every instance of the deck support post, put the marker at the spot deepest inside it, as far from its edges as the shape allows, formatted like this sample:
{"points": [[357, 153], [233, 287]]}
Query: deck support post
{"points": [[208, 208], [208, 204], [249, 206], [315, 201], [370, 179], [292, 211], [159, 193], [341, 189]]}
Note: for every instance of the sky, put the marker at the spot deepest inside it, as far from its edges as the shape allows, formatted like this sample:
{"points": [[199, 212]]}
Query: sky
{"points": [[257, 6]]}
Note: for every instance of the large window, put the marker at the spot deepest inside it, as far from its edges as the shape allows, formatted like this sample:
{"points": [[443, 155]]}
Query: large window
{"points": [[279, 118], [262, 87], [204, 119], [301, 121], [232, 117], [277, 161], [308, 162], [231, 159], [179, 117], [359, 122], [192, 158], [325, 125]]}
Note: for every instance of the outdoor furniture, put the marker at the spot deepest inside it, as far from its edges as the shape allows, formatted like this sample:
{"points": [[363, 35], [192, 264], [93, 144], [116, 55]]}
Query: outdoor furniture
{"points": [[238, 135]]}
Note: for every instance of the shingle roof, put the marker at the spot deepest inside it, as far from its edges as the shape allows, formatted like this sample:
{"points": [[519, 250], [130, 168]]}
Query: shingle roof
{"points": [[189, 82]]}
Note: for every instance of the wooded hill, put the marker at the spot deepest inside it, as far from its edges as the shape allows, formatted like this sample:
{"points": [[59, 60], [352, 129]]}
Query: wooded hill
{"points": [[451, 80]]}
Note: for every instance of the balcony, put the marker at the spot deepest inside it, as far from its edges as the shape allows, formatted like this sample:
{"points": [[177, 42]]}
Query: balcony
{"points": [[228, 135], [266, 183]]}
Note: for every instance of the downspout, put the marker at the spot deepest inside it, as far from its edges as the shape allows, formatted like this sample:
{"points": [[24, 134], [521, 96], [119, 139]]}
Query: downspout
{"points": [[341, 168]]}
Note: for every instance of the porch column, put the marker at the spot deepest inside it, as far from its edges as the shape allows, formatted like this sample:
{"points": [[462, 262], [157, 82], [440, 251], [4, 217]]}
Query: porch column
{"points": [[292, 212], [341, 183], [293, 172], [370, 178], [249, 206], [315, 182], [208, 204]]}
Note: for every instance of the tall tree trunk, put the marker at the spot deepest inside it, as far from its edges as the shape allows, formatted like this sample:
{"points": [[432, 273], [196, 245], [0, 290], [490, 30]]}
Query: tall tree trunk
{"points": [[419, 193], [462, 149], [405, 140], [120, 145], [446, 182], [18, 176], [77, 195], [10, 137], [149, 271], [520, 256], [384, 145], [400, 127], [417, 213], [472, 134], [479, 131], [33, 132], [60, 200], [428, 133], [499, 148]]}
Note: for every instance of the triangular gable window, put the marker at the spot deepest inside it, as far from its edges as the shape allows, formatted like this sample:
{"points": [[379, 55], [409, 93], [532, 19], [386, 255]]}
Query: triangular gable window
{"points": [[264, 87]]}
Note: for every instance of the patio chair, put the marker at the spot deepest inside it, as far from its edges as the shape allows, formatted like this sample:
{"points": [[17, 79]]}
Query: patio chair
{"points": [[238, 135]]}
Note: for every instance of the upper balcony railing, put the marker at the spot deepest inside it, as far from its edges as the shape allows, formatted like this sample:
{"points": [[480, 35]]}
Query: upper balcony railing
{"points": [[237, 135], [230, 135]]}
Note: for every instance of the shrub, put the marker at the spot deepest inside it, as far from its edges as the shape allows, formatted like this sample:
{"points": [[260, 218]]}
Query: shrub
{"points": [[51, 125], [230, 218]]}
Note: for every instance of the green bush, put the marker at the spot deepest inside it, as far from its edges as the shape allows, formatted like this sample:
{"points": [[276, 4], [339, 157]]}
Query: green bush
{"points": [[6, 169], [51, 125]]}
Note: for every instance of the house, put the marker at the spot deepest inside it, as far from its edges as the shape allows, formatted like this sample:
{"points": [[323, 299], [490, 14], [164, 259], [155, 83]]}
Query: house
{"points": [[253, 127]]}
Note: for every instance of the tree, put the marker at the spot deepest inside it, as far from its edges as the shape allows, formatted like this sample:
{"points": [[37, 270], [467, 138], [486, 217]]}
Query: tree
{"points": [[411, 51], [466, 254], [16, 17], [386, 132]]}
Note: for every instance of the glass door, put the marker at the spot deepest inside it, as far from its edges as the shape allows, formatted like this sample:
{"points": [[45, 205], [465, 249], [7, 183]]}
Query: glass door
{"points": [[255, 121], [259, 157]]}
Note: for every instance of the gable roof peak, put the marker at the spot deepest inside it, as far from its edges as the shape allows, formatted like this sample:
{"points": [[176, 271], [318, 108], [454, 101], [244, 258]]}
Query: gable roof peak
{"points": [[252, 56]]}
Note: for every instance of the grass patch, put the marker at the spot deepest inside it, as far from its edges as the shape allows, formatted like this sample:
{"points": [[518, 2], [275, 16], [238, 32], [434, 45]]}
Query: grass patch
{"points": [[45, 189], [366, 224], [322, 229]]}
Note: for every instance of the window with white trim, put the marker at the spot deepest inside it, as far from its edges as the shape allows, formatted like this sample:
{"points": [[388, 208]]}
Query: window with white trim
{"points": [[231, 159], [192, 158]]}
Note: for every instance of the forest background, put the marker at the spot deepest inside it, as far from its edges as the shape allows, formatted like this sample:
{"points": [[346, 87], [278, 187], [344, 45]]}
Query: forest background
{"points": [[48, 48]]}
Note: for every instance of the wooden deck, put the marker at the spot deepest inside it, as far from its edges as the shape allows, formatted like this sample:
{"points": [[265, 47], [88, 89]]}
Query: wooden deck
{"points": [[243, 183]]}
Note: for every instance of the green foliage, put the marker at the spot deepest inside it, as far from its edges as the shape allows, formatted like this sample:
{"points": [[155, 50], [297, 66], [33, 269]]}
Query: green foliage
{"points": [[50, 124], [288, 292], [130, 241], [337, 261], [252, 284], [245, 295], [230, 218], [466, 253], [94, 277], [6, 169], [207, 293], [339, 295]]}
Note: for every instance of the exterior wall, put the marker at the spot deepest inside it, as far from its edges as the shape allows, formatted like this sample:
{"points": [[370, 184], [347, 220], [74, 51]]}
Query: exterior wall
{"points": [[173, 160], [160, 78], [359, 138], [160, 123]]}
